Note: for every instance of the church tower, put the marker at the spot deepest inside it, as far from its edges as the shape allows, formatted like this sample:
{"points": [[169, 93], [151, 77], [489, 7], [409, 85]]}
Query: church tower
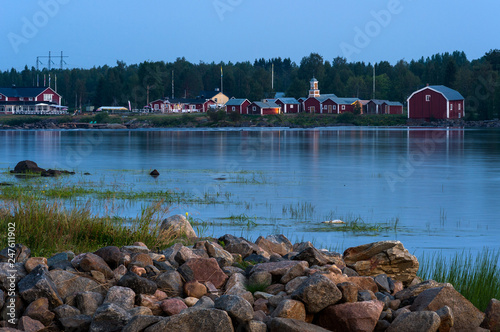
{"points": [[314, 91]]}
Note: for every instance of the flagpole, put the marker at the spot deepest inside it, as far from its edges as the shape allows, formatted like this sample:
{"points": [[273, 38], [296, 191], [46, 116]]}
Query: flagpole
{"points": [[221, 80]]}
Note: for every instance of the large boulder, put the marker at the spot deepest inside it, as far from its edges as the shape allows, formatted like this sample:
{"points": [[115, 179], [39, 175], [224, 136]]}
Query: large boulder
{"points": [[275, 244], [138, 284], [466, 316], [27, 166], [178, 225], [39, 284], [345, 317], [237, 307], [290, 309], [384, 257], [109, 317], [69, 284], [279, 324], [492, 319], [425, 321], [91, 262]]}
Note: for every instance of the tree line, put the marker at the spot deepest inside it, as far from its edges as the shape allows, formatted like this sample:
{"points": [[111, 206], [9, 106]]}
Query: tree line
{"points": [[477, 80]]}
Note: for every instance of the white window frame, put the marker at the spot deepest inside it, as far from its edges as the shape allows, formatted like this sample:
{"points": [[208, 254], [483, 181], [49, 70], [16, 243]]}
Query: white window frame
{"points": [[1, 96], [21, 98], [291, 106], [254, 108], [451, 107], [234, 108], [343, 107], [427, 97], [47, 97], [334, 107], [459, 106]]}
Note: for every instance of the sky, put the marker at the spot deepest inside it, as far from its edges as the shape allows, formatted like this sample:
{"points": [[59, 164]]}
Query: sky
{"points": [[95, 33]]}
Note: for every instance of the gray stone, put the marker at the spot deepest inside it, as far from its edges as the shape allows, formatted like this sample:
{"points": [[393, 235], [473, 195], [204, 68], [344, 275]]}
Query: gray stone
{"points": [[111, 255], [88, 302], [290, 309], [69, 284], [203, 270], [237, 307], [6, 271], [492, 319], [178, 226], [91, 262], [192, 320], [312, 256], [204, 303], [277, 269], [122, 296], [294, 284], [349, 292], [421, 321], [138, 284], [29, 324], [215, 250], [415, 290], [39, 284], [184, 254], [298, 270], [76, 323], [139, 323], [447, 320], [39, 310], [140, 311], [358, 316], [62, 257], [109, 317], [171, 252], [263, 279], [382, 283], [65, 310], [317, 293], [27, 166], [170, 282], [254, 326], [279, 324]]}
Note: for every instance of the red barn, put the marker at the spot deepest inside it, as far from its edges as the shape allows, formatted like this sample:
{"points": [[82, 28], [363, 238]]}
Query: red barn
{"points": [[312, 105], [29, 100], [262, 108], [436, 101], [376, 106], [158, 105], [237, 105]]}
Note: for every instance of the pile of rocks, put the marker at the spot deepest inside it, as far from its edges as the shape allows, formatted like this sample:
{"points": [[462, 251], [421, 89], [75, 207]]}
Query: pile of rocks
{"points": [[30, 167], [231, 284]]}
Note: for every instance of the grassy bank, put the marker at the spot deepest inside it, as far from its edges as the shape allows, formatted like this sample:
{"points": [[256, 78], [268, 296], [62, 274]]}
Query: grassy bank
{"points": [[477, 277], [49, 228]]}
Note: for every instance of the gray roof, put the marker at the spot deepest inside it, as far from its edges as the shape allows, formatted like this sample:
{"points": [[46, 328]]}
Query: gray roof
{"points": [[449, 94], [393, 103], [288, 100], [266, 105], [22, 92], [235, 102], [330, 95], [279, 95], [379, 101]]}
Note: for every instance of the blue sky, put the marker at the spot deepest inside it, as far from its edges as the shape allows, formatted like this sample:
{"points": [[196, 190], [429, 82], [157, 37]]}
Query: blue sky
{"points": [[93, 33]]}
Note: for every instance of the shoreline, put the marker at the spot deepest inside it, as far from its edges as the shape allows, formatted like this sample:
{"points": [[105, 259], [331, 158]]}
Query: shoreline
{"points": [[192, 121]]}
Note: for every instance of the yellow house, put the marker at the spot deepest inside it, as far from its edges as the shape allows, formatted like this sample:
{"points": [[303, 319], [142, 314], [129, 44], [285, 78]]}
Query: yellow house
{"points": [[218, 97]]}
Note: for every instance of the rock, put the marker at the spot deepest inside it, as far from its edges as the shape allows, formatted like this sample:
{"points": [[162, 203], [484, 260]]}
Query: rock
{"points": [[122, 296], [382, 282], [139, 271], [359, 316], [275, 289], [88, 302], [260, 279], [255, 258], [203, 269], [262, 305], [98, 276], [366, 295], [240, 246], [349, 292], [215, 250], [466, 316], [29, 324], [290, 309], [298, 247], [446, 317], [32, 262], [195, 289], [59, 260], [349, 272], [184, 254], [39, 284], [317, 293], [384, 257], [69, 284], [425, 321], [255, 326], [192, 320], [173, 306], [140, 260], [413, 291], [275, 244], [77, 323], [204, 303], [151, 302], [312, 256], [279, 324], [237, 307], [20, 255], [138, 284], [178, 226], [27, 166], [154, 173], [51, 173], [6, 273], [139, 323], [190, 301], [39, 310], [298, 270], [277, 269], [492, 319], [91, 262], [294, 284], [170, 282], [111, 255], [109, 317], [135, 249], [65, 310]]}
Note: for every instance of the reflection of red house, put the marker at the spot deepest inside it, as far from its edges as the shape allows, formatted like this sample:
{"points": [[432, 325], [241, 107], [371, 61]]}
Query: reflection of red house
{"points": [[237, 105], [262, 108], [436, 101]]}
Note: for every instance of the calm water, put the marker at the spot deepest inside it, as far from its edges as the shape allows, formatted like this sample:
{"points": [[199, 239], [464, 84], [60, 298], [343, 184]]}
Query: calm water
{"points": [[442, 186]]}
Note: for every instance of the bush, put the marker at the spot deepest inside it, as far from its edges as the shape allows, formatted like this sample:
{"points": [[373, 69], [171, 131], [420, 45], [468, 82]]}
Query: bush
{"points": [[101, 117], [346, 117], [217, 116], [235, 116]]}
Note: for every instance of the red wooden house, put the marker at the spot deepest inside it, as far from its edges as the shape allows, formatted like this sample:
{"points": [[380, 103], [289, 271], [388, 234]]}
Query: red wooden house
{"points": [[288, 105], [237, 105], [181, 105], [29, 100], [376, 106], [436, 101], [262, 108]]}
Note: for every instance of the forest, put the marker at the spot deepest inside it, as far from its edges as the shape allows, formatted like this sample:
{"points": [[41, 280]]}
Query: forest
{"points": [[477, 80]]}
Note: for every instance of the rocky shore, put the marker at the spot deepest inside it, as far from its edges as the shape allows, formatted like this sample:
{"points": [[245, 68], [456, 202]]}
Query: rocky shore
{"points": [[230, 284]]}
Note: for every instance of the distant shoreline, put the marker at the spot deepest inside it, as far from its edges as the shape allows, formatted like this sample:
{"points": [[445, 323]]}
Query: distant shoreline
{"points": [[299, 121]]}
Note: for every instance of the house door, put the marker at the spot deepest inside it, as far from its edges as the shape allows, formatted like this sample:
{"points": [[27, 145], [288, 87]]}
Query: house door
{"points": [[329, 109]]}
